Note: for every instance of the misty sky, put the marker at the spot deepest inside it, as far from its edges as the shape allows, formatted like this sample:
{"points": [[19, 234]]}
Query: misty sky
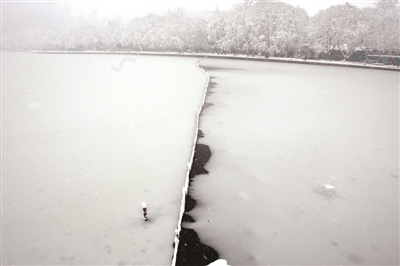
{"points": [[18, 15], [140, 7]]}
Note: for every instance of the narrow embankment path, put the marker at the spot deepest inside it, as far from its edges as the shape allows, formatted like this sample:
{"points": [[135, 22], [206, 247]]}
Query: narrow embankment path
{"points": [[188, 248]]}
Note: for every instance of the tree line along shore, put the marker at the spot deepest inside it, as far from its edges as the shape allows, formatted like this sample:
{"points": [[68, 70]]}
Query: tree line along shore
{"points": [[252, 28]]}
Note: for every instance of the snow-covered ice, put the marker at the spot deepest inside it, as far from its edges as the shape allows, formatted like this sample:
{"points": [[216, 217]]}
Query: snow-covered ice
{"points": [[304, 166], [85, 140]]}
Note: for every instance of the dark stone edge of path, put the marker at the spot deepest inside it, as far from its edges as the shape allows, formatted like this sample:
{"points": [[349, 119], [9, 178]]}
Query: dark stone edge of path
{"points": [[190, 250]]}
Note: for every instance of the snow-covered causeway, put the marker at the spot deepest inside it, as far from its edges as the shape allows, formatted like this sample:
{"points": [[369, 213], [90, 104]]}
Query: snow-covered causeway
{"points": [[86, 139], [304, 167]]}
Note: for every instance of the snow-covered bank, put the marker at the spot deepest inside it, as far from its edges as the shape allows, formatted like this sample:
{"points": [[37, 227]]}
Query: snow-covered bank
{"points": [[243, 57], [191, 164], [304, 167], [85, 140]]}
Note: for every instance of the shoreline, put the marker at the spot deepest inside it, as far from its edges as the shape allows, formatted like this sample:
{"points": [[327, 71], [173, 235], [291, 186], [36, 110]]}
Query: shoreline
{"points": [[188, 250], [233, 57]]}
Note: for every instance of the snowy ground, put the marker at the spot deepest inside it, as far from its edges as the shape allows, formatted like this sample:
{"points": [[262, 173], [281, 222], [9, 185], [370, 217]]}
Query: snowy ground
{"points": [[304, 166], [86, 139]]}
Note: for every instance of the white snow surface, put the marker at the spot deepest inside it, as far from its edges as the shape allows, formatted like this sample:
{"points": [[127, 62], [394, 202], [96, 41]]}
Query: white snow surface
{"points": [[85, 140], [220, 262], [304, 166]]}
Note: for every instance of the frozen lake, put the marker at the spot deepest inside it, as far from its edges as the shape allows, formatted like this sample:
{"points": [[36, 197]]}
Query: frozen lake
{"points": [[304, 166], [86, 139]]}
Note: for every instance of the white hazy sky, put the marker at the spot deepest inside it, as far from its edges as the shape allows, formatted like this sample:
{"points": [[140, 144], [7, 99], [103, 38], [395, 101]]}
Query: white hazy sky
{"points": [[131, 8]]}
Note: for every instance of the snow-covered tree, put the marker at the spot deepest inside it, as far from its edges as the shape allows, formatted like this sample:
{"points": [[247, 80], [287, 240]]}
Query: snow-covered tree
{"points": [[174, 31], [384, 20], [215, 31], [323, 31], [196, 35], [269, 27], [111, 35], [352, 29]]}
